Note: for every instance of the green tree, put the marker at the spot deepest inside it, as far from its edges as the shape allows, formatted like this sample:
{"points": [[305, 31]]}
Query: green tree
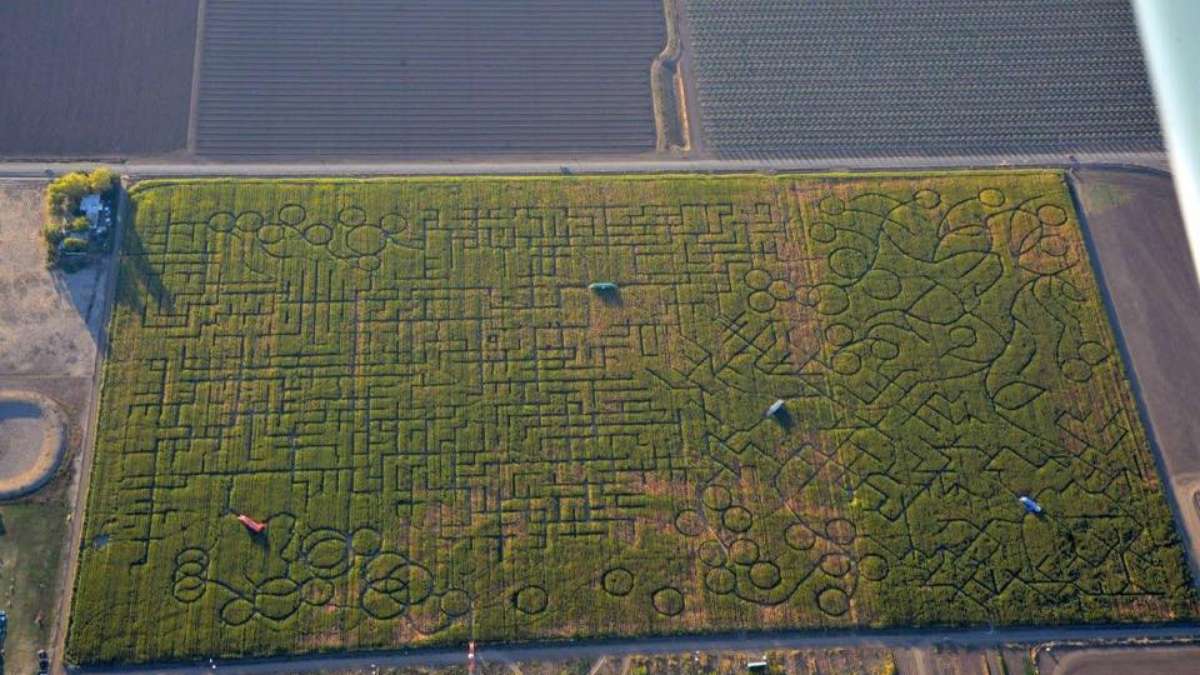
{"points": [[64, 193], [102, 179]]}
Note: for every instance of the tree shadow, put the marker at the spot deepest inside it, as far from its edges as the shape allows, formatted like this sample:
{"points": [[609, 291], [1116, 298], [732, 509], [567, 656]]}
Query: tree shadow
{"points": [[136, 278], [783, 418], [609, 296], [125, 264], [83, 289]]}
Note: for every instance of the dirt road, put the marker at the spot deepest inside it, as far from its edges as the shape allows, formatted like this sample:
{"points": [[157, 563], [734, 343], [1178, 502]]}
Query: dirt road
{"points": [[726, 642], [582, 164]]}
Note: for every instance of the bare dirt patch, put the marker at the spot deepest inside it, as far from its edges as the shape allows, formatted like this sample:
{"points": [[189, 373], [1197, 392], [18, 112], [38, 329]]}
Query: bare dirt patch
{"points": [[31, 441], [43, 314]]}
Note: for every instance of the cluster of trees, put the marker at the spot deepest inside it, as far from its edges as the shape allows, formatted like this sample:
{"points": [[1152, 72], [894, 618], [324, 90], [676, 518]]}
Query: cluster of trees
{"points": [[66, 226], [65, 192]]}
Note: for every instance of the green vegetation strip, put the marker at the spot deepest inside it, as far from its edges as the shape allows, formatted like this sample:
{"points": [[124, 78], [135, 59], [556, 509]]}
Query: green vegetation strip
{"points": [[448, 435]]}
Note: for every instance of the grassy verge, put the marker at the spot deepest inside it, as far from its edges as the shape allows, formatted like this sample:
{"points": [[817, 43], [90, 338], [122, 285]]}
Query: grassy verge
{"points": [[29, 556]]}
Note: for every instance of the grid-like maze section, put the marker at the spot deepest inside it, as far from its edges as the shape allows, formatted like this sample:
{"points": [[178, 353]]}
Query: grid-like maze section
{"points": [[449, 434], [873, 78]]}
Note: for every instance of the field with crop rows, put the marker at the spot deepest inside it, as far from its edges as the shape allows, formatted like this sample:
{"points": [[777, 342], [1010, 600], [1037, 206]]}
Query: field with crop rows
{"points": [[832, 78], [450, 437], [426, 78], [86, 79]]}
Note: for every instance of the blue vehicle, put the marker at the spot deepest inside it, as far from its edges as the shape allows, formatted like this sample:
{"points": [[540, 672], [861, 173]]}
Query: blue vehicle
{"points": [[602, 287], [1030, 505]]}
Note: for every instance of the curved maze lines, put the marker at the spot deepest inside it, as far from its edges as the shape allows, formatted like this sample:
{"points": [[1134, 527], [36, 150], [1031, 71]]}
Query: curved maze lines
{"points": [[468, 436], [349, 237]]}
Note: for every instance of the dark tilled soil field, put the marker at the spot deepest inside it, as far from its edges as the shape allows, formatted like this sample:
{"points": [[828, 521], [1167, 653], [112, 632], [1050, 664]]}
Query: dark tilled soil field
{"points": [[839, 78], [82, 78], [375, 78]]}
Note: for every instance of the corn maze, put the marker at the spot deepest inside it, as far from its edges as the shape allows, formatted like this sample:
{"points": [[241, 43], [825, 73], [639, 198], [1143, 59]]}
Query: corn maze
{"points": [[450, 437]]}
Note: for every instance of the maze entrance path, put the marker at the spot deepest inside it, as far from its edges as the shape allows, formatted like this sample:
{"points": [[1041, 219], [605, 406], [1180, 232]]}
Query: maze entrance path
{"points": [[449, 436]]}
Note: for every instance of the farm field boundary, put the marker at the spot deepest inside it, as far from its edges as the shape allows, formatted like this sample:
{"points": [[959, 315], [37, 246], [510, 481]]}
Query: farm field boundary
{"points": [[1113, 635], [84, 81], [430, 78], [919, 77], [449, 436], [142, 169]]}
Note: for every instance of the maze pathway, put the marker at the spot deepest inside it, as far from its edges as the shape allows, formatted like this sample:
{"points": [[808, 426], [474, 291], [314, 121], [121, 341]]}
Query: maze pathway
{"points": [[450, 436]]}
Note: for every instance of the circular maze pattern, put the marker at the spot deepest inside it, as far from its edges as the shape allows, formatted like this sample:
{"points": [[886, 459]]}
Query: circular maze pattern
{"points": [[799, 537], [744, 552], [712, 553], [327, 553], [833, 601], [530, 599], [191, 569], [737, 519], [618, 581], [455, 603], [392, 583], [689, 523], [717, 497], [765, 574], [465, 434], [316, 591], [720, 581], [668, 601]]}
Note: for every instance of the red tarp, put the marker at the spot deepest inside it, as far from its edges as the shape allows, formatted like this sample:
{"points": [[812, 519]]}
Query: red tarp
{"points": [[251, 524]]}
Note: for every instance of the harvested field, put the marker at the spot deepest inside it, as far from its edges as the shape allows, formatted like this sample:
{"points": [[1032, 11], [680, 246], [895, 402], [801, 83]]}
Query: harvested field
{"points": [[880, 78], [429, 78], [1160, 660], [88, 79], [1143, 252], [450, 436]]}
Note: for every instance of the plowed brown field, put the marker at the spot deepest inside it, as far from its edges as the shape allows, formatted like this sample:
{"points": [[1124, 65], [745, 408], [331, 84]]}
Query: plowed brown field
{"points": [[95, 79], [374, 78]]}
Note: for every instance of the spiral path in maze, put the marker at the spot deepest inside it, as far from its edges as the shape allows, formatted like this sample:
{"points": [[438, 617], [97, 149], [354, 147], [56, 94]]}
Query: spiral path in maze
{"points": [[448, 435]]}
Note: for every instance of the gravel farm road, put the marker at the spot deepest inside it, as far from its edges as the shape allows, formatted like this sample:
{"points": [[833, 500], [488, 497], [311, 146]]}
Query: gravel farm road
{"points": [[140, 169], [752, 642]]}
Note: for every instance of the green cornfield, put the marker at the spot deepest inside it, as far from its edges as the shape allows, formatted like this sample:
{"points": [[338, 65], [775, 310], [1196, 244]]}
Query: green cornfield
{"points": [[449, 436]]}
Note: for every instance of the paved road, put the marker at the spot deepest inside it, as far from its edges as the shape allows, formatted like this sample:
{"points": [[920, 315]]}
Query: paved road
{"points": [[649, 164], [724, 642]]}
